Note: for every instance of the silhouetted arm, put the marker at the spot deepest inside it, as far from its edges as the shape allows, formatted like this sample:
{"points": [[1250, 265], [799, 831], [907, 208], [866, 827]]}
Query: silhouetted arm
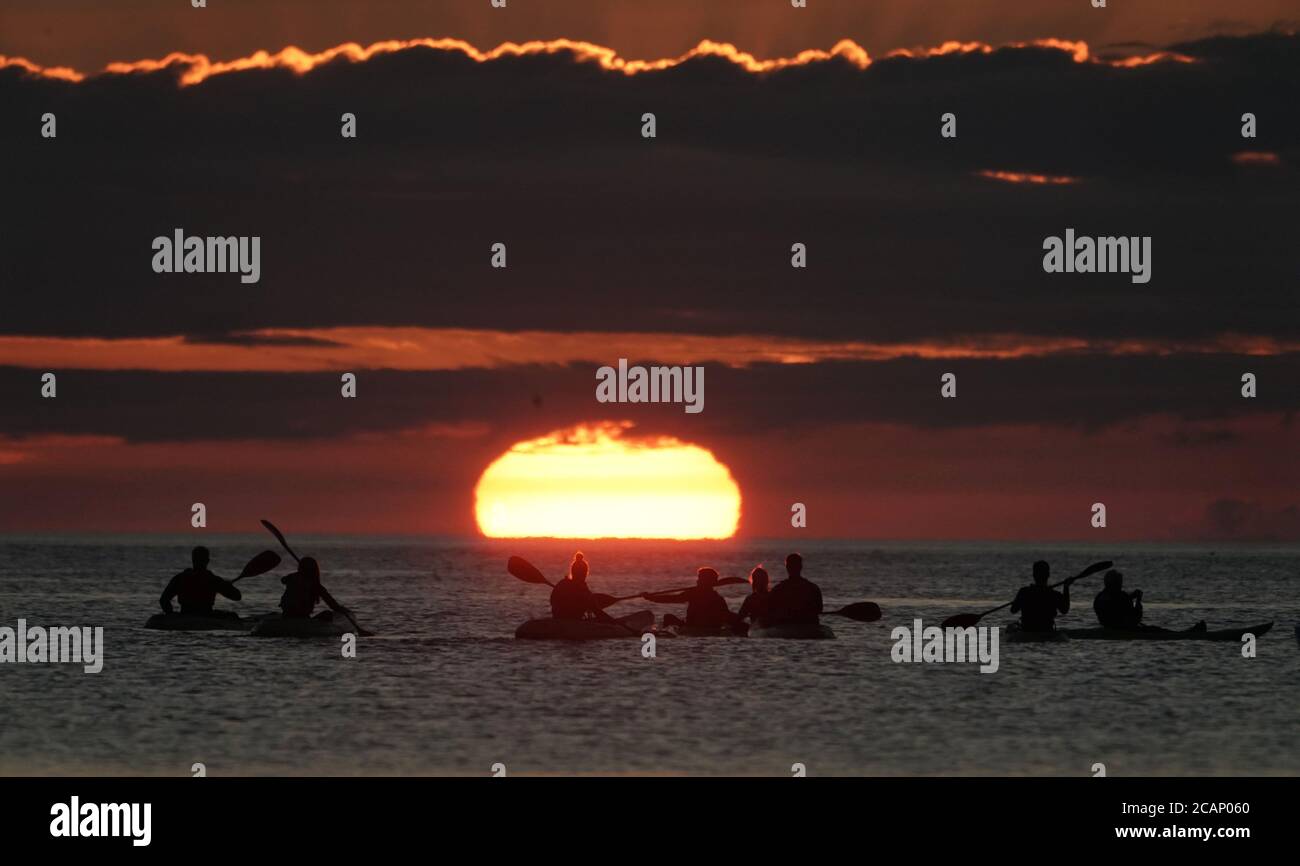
{"points": [[594, 604], [1018, 603], [1063, 603], [226, 588], [820, 606], [329, 600], [667, 597], [165, 600]]}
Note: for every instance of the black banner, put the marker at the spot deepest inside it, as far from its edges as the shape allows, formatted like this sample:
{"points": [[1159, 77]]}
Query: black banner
{"points": [[636, 816]]}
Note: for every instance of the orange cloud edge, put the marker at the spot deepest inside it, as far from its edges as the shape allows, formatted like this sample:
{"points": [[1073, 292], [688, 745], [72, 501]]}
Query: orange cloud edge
{"points": [[199, 67]]}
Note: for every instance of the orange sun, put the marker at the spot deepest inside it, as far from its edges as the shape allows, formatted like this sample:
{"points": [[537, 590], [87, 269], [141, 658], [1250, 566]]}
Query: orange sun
{"points": [[596, 481]]}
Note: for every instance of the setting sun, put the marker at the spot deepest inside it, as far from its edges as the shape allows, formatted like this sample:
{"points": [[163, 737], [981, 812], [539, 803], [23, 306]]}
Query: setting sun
{"points": [[600, 481]]}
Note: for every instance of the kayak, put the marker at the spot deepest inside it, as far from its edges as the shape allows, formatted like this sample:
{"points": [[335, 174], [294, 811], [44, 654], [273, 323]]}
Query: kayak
{"points": [[196, 622], [702, 631], [275, 626], [793, 631], [1015, 634], [1228, 634], [632, 625]]}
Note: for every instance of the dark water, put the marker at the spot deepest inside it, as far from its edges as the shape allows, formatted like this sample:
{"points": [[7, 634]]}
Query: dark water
{"points": [[445, 689]]}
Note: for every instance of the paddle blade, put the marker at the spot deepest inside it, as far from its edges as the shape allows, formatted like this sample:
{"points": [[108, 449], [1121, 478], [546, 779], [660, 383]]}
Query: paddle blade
{"points": [[260, 564], [962, 620], [862, 611], [1095, 567], [604, 601], [279, 536], [731, 581], [525, 571]]}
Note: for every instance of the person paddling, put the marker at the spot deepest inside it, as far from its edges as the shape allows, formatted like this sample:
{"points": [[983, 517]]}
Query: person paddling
{"points": [[1038, 604], [1116, 608], [755, 604], [705, 608], [197, 588], [573, 599], [303, 589], [795, 600], [1123, 610]]}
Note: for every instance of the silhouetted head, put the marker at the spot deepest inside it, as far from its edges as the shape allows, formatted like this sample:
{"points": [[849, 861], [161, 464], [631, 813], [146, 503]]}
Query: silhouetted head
{"points": [[578, 568], [1042, 571], [758, 579], [309, 568], [794, 565], [1114, 580], [706, 578], [200, 557]]}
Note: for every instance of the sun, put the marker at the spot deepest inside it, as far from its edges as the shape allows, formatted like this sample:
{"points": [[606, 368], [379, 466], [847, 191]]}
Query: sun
{"points": [[600, 481]]}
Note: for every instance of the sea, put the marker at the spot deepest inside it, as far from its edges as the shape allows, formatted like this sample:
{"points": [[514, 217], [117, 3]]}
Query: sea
{"points": [[444, 688]]}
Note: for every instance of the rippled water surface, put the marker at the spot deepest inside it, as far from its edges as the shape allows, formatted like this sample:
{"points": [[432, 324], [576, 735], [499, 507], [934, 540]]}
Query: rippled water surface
{"points": [[445, 688]]}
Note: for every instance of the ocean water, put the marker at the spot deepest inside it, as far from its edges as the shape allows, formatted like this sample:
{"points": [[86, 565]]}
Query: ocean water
{"points": [[444, 688]]}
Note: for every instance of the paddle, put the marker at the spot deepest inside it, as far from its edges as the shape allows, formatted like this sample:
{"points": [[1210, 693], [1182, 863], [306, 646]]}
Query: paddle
{"points": [[722, 581], [529, 573], [966, 620], [526, 571], [279, 536], [862, 611], [260, 564]]}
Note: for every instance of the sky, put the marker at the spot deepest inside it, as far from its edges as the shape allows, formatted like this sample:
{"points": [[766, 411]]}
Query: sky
{"points": [[822, 384]]}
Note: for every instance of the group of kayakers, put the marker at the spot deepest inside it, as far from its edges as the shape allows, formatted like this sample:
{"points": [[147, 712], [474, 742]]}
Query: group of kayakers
{"points": [[197, 588], [1039, 604], [795, 600]]}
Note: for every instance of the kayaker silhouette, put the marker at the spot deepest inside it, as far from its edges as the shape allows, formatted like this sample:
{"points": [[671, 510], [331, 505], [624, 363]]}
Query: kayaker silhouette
{"points": [[705, 608], [755, 604], [571, 598], [1116, 608], [1038, 604], [303, 589], [1123, 610], [795, 600], [196, 588]]}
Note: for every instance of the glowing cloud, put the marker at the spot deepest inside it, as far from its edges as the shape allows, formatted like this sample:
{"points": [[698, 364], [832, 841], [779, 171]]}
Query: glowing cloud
{"points": [[597, 481], [1256, 157], [1028, 177], [196, 68]]}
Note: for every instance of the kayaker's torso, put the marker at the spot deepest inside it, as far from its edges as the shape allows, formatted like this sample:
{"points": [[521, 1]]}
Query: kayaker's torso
{"points": [[197, 589], [793, 600], [1117, 609], [571, 599], [754, 607], [1038, 607], [300, 596], [706, 609]]}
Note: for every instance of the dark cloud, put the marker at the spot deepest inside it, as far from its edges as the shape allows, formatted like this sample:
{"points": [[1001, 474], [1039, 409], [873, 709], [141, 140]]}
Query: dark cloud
{"points": [[1198, 438], [260, 340], [689, 232], [1248, 520], [1082, 392]]}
